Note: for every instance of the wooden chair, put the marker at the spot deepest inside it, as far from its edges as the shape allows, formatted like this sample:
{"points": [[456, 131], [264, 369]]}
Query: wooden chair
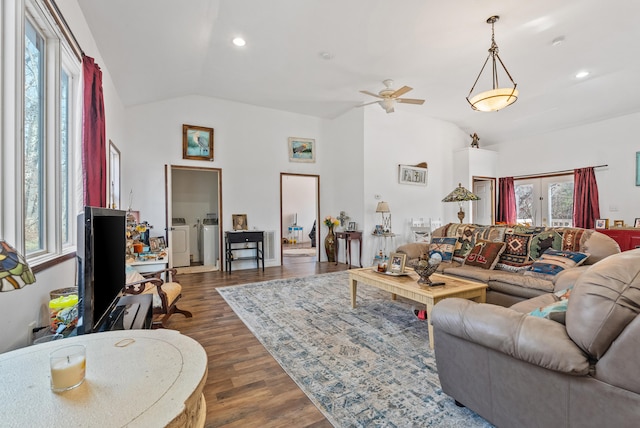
{"points": [[165, 294]]}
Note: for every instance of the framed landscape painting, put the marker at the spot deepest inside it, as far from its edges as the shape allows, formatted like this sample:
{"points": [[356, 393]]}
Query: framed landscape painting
{"points": [[302, 150], [197, 143]]}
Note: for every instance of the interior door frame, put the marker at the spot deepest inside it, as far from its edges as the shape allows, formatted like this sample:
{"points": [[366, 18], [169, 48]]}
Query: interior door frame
{"points": [[492, 180], [168, 199], [317, 177]]}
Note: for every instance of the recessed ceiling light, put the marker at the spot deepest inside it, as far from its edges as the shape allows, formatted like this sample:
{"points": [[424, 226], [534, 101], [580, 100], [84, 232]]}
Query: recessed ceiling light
{"points": [[582, 74], [239, 41], [326, 55]]}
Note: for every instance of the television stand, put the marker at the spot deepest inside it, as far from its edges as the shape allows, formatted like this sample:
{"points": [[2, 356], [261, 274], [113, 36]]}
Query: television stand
{"points": [[131, 313]]}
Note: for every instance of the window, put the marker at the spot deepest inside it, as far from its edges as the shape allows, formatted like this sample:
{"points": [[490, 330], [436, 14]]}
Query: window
{"points": [[546, 201], [33, 140], [50, 75]]}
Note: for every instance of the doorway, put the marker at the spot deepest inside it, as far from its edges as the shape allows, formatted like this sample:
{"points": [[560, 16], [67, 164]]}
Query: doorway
{"points": [[484, 210], [299, 218], [193, 217]]}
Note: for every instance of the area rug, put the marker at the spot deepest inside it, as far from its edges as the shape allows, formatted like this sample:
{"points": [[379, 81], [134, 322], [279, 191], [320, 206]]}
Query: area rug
{"points": [[299, 252], [364, 367], [196, 269]]}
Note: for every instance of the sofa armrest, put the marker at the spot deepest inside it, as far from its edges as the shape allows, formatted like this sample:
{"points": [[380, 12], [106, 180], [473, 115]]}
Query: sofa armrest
{"points": [[538, 341], [413, 250], [568, 277]]}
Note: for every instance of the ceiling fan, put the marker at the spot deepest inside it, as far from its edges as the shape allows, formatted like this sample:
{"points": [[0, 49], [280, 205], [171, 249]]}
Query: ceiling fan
{"points": [[389, 96]]}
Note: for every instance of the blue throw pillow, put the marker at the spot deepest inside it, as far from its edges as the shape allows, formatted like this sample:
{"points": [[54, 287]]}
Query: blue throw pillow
{"points": [[444, 247], [552, 262]]}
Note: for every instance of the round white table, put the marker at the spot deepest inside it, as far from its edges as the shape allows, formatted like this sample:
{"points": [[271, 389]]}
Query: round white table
{"points": [[156, 380]]}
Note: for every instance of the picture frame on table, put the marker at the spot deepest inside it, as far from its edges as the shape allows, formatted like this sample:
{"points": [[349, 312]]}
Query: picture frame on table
{"points": [[637, 168], [302, 150], [618, 223], [602, 223], [197, 143], [154, 245], [239, 221], [636, 223], [352, 226], [161, 242], [397, 262], [408, 174]]}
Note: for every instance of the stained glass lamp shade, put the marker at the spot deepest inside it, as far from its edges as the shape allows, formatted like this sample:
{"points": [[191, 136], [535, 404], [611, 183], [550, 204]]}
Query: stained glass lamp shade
{"points": [[460, 195], [14, 270]]}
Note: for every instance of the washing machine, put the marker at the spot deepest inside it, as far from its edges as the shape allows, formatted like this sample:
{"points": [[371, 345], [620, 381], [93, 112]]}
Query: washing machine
{"points": [[210, 242], [179, 242]]}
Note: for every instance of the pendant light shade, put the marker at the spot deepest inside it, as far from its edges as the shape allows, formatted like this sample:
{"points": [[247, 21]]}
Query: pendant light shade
{"points": [[496, 98]]}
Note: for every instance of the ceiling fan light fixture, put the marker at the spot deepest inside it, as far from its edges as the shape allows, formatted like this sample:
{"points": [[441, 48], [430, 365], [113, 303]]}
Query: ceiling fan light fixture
{"points": [[496, 98], [388, 104]]}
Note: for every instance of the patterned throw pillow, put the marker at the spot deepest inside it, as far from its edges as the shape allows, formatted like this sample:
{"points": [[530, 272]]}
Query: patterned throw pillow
{"points": [[485, 254], [571, 238], [516, 253], [543, 241], [553, 262], [465, 242], [444, 247]]}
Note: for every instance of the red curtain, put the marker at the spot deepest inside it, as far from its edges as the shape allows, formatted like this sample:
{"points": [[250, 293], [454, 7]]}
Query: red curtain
{"points": [[506, 201], [94, 153], [586, 206]]}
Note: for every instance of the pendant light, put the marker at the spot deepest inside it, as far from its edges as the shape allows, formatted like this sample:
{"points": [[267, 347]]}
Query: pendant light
{"points": [[497, 98]]}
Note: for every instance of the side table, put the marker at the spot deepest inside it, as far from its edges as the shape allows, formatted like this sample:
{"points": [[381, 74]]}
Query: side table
{"points": [[348, 236]]}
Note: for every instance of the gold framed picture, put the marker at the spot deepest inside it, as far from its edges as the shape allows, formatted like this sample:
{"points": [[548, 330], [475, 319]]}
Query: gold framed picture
{"points": [[197, 143], [239, 221], [618, 223]]}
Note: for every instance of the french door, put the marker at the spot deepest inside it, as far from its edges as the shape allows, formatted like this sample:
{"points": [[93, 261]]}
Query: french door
{"points": [[546, 201]]}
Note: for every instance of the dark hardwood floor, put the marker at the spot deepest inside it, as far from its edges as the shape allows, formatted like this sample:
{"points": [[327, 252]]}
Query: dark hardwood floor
{"points": [[245, 386]]}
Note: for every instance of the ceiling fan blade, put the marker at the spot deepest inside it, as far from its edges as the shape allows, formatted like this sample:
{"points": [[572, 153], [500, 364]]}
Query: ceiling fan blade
{"points": [[400, 92], [366, 104], [410, 101], [371, 93]]}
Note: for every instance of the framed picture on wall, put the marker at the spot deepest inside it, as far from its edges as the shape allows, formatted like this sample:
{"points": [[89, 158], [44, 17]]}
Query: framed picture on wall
{"points": [[412, 175], [302, 150], [197, 143]]}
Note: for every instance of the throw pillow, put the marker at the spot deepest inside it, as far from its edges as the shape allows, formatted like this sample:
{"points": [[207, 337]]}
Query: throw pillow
{"points": [[485, 254], [516, 253], [552, 262], [571, 238], [444, 247], [556, 311], [543, 241], [465, 242]]}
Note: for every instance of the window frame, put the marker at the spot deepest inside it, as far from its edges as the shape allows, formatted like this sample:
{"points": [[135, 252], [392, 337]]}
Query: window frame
{"points": [[59, 57]]}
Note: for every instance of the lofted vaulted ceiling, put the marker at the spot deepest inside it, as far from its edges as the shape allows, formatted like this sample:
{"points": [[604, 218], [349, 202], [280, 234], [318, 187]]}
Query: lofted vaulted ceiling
{"points": [[159, 49]]}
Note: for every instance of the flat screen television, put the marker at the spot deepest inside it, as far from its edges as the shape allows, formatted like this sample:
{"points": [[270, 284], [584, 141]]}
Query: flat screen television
{"points": [[101, 252]]}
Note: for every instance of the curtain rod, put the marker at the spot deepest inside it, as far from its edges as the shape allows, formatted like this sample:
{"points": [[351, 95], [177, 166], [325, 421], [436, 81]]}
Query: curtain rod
{"points": [[66, 31], [544, 174]]}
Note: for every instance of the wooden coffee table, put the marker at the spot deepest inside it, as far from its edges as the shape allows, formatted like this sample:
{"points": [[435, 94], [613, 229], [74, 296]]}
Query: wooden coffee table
{"points": [[407, 286]]}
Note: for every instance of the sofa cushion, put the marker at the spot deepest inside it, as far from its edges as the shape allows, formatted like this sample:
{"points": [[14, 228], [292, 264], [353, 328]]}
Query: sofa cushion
{"points": [[543, 241], [553, 262], [470, 272], [522, 280], [605, 299], [516, 252], [534, 303], [444, 247], [484, 254]]}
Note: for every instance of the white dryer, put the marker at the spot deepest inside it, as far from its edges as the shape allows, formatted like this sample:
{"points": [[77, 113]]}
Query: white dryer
{"points": [[179, 243]]}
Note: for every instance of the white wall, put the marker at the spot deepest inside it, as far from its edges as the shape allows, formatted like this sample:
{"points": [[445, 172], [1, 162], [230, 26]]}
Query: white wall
{"points": [[408, 138], [612, 142], [250, 148]]}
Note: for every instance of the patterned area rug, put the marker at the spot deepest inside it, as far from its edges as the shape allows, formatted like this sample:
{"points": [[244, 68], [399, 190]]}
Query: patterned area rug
{"points": [[364, 367]]}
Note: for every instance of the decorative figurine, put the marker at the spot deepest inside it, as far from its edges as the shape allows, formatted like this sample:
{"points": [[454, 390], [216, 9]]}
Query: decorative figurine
{"points": [[475, 140]]}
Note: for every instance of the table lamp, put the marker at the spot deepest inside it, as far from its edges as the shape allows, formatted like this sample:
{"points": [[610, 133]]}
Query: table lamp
{"points": [[383, 209], [460, 195], [15, 273]]}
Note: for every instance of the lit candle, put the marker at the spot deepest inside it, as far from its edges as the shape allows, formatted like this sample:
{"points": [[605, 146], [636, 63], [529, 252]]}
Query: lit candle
{"points": [[68, 366]]}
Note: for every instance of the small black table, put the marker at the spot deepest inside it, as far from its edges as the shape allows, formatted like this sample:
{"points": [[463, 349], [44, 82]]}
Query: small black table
{"points": [[252, 240]]}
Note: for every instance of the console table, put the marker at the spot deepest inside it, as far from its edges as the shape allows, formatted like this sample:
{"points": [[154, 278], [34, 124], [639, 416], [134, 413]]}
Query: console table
{"points": [[155, 380], [627, 238], [348, 236], [252, 240]]}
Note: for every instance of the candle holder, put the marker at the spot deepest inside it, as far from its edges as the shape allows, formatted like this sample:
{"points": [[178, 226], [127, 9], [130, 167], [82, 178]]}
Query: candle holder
{"points": [[68, 365]]}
